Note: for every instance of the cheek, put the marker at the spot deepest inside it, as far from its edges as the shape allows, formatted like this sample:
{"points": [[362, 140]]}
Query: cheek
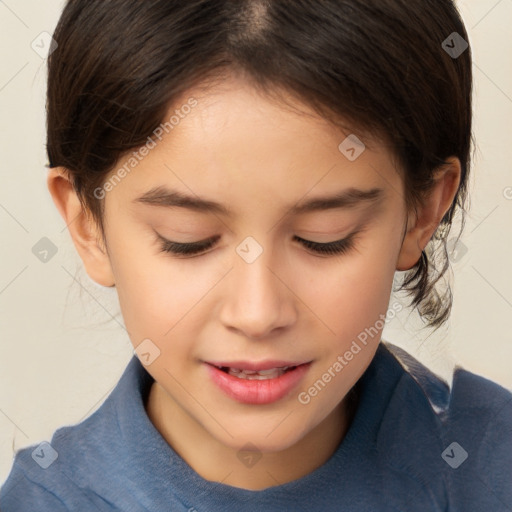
{"points": [[155, 304], [350, 302], [153, 293], [349, 294]]}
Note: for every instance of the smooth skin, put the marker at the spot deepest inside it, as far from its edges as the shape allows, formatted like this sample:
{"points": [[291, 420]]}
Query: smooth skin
{"points": [[259, 159]]}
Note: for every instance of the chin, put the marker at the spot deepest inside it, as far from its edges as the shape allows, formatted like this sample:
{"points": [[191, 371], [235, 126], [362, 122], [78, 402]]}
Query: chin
{"points": [[266, 440]]}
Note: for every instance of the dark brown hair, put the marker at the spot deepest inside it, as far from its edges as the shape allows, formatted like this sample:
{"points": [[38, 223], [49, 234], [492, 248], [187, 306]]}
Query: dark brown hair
{"points": [[377, 65]]}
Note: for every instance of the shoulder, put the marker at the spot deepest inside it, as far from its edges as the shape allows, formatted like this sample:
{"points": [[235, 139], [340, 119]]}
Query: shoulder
{"points": [[19, 493], [63, 472], [470, 397], [480, 432], [458, 435], [477, 392], [480, 410], [55, 476]]}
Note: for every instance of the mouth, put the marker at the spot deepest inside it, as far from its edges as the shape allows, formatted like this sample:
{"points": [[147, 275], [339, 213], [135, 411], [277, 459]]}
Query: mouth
{"points": [[257, 383], [271, 373]]}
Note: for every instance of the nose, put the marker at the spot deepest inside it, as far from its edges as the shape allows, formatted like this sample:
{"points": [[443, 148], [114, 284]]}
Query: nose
{"points": [[258, 299]]}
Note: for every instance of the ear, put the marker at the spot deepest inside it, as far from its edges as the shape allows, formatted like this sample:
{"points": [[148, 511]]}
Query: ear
{"points": [[84, 230], [421, 225]]}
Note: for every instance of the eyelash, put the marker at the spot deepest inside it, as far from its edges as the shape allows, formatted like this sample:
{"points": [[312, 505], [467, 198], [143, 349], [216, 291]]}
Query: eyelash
{"points": [[338, 247]]}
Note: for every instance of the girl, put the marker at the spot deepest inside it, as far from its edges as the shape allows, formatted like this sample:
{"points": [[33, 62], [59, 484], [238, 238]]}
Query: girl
{"points": [[250, 175]]}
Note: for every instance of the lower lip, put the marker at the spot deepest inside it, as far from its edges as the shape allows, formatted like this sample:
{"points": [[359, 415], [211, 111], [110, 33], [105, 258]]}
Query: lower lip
{"points": [[258, 391]]}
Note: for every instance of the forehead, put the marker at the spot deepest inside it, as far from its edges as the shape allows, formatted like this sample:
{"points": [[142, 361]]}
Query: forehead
{"points": [[235, 112], [232, 140]]}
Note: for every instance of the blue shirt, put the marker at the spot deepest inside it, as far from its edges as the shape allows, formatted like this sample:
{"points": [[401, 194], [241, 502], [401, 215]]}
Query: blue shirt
{"points": [[413, 445]]}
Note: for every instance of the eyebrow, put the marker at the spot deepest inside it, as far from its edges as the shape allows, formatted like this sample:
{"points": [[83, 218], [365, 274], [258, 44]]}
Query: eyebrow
{"points": [[346, 199]]}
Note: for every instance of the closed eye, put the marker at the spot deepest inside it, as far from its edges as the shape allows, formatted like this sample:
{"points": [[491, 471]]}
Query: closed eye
{"points": [[197, 248]]}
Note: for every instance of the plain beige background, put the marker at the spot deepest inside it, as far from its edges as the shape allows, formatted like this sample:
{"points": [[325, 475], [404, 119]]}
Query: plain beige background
{"points": [[63, 347]]}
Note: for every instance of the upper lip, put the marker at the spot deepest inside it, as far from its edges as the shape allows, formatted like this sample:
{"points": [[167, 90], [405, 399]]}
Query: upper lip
{"points": [[255, 366]]}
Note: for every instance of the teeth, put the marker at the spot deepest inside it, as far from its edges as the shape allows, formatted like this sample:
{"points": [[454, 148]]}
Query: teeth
{"points": [[272, 373]]}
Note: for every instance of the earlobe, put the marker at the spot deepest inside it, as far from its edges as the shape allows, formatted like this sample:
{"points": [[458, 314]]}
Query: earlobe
{"points": [[84, 231], [422, 225]]}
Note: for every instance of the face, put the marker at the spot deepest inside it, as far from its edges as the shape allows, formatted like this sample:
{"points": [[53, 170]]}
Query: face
{"points": [[263, 292]]}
